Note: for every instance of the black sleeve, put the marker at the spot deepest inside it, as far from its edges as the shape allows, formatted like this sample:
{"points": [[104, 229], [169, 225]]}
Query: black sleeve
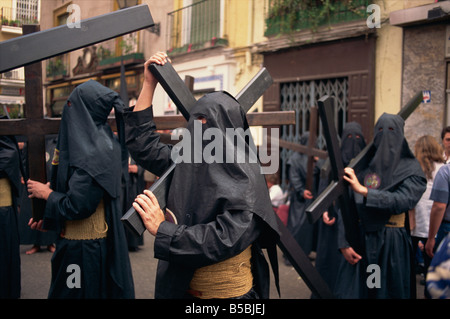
{"points": [[143, 142], [205, 244], [81, 200]]}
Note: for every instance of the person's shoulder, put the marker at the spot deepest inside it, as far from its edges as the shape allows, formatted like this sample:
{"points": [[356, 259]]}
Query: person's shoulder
{"points": [[444, 170]]}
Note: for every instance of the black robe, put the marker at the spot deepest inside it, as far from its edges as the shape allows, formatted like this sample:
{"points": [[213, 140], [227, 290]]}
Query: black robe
{"points": [[86, 170], [343, 278], [30, 236], [132, 188], [221, 208], [303, 231], [395, 183], [10, 275]]}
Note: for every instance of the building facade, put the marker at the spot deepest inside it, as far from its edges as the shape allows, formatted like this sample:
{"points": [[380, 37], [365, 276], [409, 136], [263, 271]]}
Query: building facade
{"points": [[373, 56], [13, 14], [100, 62]]}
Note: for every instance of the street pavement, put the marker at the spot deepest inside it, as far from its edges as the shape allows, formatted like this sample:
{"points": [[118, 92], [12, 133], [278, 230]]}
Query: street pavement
{"points": [[36, 275]]}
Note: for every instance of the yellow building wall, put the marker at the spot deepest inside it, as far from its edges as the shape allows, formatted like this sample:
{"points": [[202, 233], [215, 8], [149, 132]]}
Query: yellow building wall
{"points": [[388, 60], [244, 27], [6, 36]]}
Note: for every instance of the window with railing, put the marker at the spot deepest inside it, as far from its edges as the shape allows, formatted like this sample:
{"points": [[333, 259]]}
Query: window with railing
{"points": [[16, 74], [198, 25], [22, 12], [287, 16]]}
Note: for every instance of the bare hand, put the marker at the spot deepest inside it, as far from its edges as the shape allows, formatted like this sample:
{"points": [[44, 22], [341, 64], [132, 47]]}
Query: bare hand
{"points": [[307, 194], [429, 246], [145, 98], [132, 168], [148, 207], [158, 58], [36, 225], [327, 220], [351, 178], [38, 190], [350, 255]]}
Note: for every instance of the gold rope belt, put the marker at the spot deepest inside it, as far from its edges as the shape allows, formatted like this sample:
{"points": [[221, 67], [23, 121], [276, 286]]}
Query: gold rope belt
{"points": [[396, 220], [5, 193], [92, 227], [226, 279]]}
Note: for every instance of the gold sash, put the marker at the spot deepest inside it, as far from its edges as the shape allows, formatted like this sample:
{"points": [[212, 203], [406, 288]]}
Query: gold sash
{"points": [[93, 227], [5, 193], [396, 220], [226, 279]]}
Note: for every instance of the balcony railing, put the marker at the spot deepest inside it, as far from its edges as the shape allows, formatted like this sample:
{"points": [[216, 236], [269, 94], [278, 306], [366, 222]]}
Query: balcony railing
{"points": [[196, 26], [16, 75], [287, 16], [16, 17]]}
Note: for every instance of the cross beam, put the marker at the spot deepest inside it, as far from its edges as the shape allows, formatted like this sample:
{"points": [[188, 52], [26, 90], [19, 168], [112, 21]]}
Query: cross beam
{"points": [[167, 75], [309, 149], [338, 188], [36, 47], [33, 47], [184, 100]]}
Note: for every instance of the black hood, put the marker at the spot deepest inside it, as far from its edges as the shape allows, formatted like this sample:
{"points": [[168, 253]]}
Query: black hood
{"points": [[205, 186], [393, 160], [300, 160], [85, 139], [352, 142]]}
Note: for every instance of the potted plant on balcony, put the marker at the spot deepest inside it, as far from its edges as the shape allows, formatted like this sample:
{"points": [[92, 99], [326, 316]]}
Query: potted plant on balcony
{"points": [[14, 23]]}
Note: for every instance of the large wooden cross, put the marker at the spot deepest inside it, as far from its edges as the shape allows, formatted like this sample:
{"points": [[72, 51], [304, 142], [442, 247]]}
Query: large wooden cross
{"points": [[338, 188], [35, 46], [184, 100], [309, 149]]}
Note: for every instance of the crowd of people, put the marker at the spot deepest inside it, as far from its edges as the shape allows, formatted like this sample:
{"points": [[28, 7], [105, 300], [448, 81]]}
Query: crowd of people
{"points": [[401, 199], [223, 214]]}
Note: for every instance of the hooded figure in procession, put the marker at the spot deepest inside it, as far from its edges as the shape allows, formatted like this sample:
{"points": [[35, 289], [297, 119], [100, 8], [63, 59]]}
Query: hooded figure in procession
{"points": [[83, 200], [221, 214], [385, 190], [332, 247], [300, 198], [10, 188]]}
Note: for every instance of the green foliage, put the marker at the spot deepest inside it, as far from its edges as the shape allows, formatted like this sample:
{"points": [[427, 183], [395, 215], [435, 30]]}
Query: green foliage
{"points": [[287, 16]]}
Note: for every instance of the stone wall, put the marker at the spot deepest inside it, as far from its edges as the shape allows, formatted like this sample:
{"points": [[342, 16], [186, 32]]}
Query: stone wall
{"points": [[424, 68]]}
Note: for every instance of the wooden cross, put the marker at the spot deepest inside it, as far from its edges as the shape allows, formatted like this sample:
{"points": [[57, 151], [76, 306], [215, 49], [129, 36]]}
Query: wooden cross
{"points": [[337, 189], [183, 99], [33, 47], [309, 149]]}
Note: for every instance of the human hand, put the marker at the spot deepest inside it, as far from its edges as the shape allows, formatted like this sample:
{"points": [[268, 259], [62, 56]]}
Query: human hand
{"points": [[327, 220], [36, 225], [351, 178], [38, 189], [159, 58], [350, 255], [307, 194], [132, 168], [429, 246], [148, 208]]}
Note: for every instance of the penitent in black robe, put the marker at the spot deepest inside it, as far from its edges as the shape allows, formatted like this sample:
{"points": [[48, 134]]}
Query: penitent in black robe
{"points": [[395, 183], [342, 277], [88, 170], [9, 232], [298, 224], [30, 236], [221, 208]]}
